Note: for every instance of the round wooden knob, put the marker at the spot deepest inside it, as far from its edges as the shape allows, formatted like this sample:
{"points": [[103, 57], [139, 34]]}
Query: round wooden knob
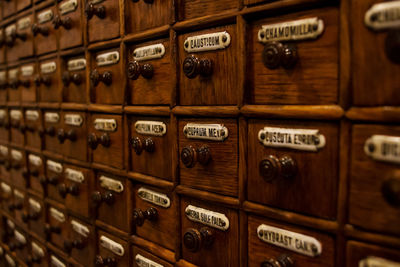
{"points": [[392, 46], [276, 54], [51, 131], [93, 142], [43, 30], [100, 261], [193, 66], [34, 172], [391, 191], [189, 156], [71, 135], [78, 244], [61, 136], [26, 83], [66, 78], [67, 246], [108, 198], [149, 145], [203, 155], [64, 22], [53, 180], [106, 78], [282, 261], [140, 216], [95, 77], [46, 80], [105, 140], [272, 168], [76, 78], [194, 239], [62, 190], [147, 71], [133, 70], [137, 145], [73, 190], [289, 56], [91, 10], [288, 167], [97, 197]]}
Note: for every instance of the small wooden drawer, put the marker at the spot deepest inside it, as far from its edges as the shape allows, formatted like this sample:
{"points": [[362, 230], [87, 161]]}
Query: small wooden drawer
{"points": [[22, 4], [270, 242], [21, 244], [111, 194], [80, 242], [78, 185], [150, 143], [73, 78], [58, 261], [286, 160], [23, 36], [19, 206], [299, 67], [55, 180], [17, 130], [11, 42], [209, 154], [4, 125], [105, 139], [154, 215], [198, 8], [9, 8], [28, 72], [107, 78], [3, 86], [361, 254], [14, 88], [6, 198], [111, 249], [44, 32], [57, 227], [374, 202], [48, 82], [143, 15], [151, 72], [104, 15], [19, 171], [33, 129], [9, 258], [73, 135], [208, 67], [52, 123], [37, 177], [7, 229], [208, 232], [144, 258], [5, 163], [38, 254], [2, 46], [36, 216], [69, 24]]}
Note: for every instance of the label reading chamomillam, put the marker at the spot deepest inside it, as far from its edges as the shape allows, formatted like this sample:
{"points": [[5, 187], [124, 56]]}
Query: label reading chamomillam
{"points": [[207, 217]]}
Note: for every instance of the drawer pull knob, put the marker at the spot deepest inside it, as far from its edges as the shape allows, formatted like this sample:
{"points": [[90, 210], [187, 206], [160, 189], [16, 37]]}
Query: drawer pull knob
{"points": [[392, 46], [22, 128], [71, 135], [92, 141], [66, 22], [190, 156], [107, 197], [97, 77], [272, 168], [276, 54], [73, 190], [67, 78], [27, 216], [91, 10], [53, 180], [282, 261], [193, 66], [33, 259], [7, 165], [26, 83], [45, 80], [149, 145], [100, 261], [43, 30], [61, 136], [62, 190], [391, 191], [105, 140], [34, 172], [42, 180], [137, 145], [135, 69], [140, 216], [194, 239], [51, 130], [69, 245]]}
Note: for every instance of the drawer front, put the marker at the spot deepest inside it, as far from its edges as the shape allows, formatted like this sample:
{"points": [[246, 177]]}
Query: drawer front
{"points": [[375, 174], [52, 123], [207, 66], [374, 66], [361, 254], [57, 226], [151, 141], [143, 258], [270, 241], [73, 135], [44, 32], [37, 176], [9, 8], [27, 80], [10, 40], [23, 39], [161, 206], [79, 183], [7, 201], [39, 253], [22, 4], [209, 154], [74, 79], [106, 78], [21, 244], [36, 216], [17, 127], [80, 243], [152, 76], [286, 162], [20, 206], [5, 163], [113, 194], [48, 82], [69, 23], [209, 231], [4, 125], [19, 172], [55, 180], [198, 8], [158, 13], [57, 261], [111, 249], [310, 74], [2, 46], [14, 89], [3, 86], [33, 128], [102, 15], [105, 139]]}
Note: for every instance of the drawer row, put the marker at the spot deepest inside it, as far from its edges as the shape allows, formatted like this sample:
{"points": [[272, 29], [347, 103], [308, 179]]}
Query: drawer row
{"points": [[287, 59]]}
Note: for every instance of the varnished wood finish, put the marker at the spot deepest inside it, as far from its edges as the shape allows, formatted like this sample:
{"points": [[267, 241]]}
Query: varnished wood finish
{"points": [[25, 47], [50, 92], [17, 135], [75, 143], [37, 225], [33, 130], [53, 180], [358, 251], [197, 8], [58, 229], [105, 253], [28, 94], [74, 93], [137, 251], [109, 24], [37, 174], [46, 43], [50, 132], [74, 36]]}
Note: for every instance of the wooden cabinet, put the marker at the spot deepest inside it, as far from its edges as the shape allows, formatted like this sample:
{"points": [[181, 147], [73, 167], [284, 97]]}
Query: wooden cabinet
{"points": [[102, 14]]}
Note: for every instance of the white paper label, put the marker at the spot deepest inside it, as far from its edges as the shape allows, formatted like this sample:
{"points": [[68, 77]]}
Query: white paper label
{"points": [[56, 262], [35, 160], [51, 117], [207, 217], [74, 175], [149, 52], [45, 16], [68, 6], [302, 244], [383, 148], [11, 29], [5, 188], [35, 206], [107, 125], [294, 30], [76, 64], [54, 166], [13, 74], [80, 228], [383, 16], [298, 139], [372, 261], [16, 114], [48, 67], [10, 261], [207, 42], [155, 128], [37, 250], [107, 58], [24, 23], [111, 184], [19, 194], [1, 251], [27, 71], [16, 155], [32, 115], [57, 215], [4, 150], [10, 224], [73, 119], [145, 262], [3, 76], [214, 132], [111, 245], [154, 197], [19, 237]]}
